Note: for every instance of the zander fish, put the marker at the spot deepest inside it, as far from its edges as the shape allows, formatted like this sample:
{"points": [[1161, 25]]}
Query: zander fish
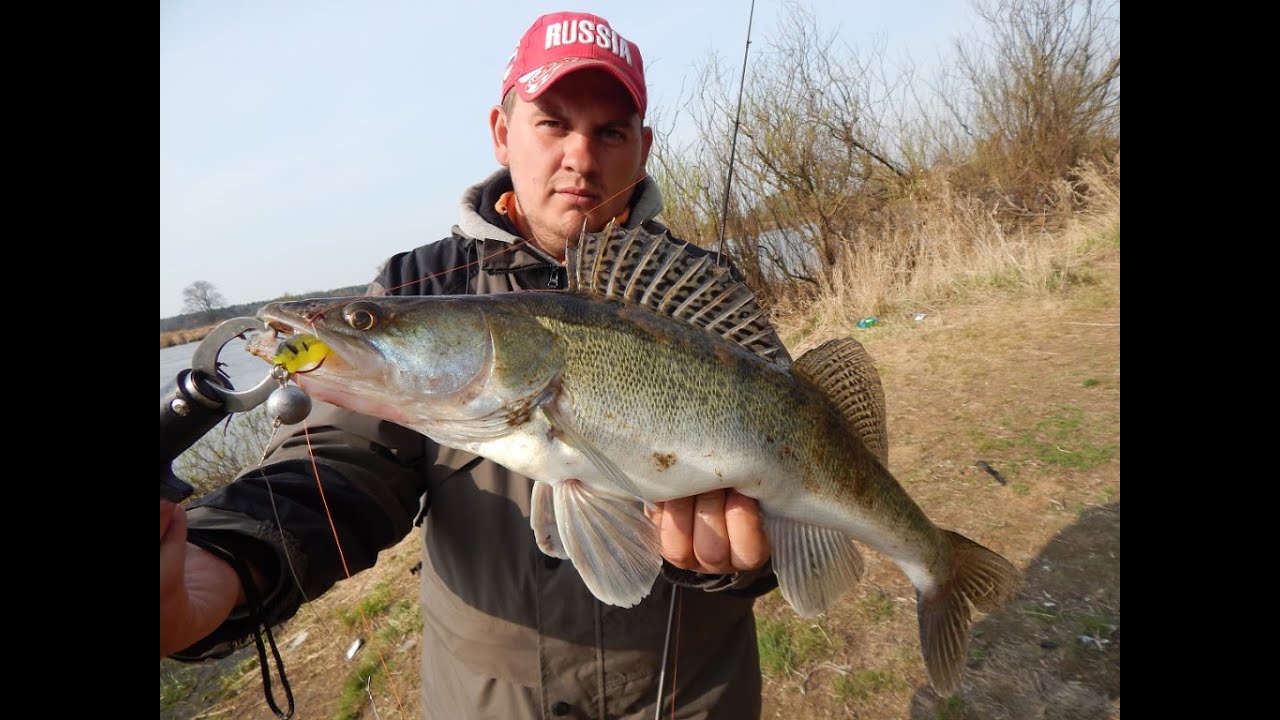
{"points": [[655, 376]]}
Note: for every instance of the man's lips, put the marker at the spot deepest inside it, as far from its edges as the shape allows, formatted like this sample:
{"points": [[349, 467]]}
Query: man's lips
{"points": [[579, 196]]}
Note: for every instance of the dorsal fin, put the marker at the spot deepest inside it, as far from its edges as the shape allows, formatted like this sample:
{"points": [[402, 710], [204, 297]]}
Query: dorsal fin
{"points": [[843, 369], [656, 271]]}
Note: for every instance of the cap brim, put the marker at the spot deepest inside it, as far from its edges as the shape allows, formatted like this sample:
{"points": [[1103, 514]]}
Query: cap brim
{"points": [[549, 74]]}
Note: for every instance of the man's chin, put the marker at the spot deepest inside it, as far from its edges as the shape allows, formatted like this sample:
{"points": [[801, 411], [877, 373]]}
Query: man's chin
{"points": [[573, 225]]}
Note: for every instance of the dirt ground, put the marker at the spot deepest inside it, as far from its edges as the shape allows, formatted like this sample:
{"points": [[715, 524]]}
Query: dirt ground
{"points": [[1029, 385]]}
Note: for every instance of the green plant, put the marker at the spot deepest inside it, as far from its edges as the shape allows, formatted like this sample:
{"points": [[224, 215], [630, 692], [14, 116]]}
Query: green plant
{"points": [[951, 708], [878, 605], [403, 620], [863, 684], [1047, 615], [371, 605], [785, 646], [1059, 438], [1095, 625], [234, 679], [176, 685], [356, 689]]}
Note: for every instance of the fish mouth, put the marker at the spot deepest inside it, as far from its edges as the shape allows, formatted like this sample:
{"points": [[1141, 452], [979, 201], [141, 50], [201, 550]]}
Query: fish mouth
{"points": [[279, 327], [311, 333], [286, 342]]}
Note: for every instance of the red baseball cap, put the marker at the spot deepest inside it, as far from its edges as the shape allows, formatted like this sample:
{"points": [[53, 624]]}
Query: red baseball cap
{"points": [[564, 42]]}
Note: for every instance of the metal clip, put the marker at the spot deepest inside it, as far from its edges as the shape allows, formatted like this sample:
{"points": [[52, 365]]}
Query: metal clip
{"points": [[205, 360]]}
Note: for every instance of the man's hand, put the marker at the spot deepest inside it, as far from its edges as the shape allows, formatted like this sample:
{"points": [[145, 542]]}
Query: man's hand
{"points": [[197, 590], [719, 532]]}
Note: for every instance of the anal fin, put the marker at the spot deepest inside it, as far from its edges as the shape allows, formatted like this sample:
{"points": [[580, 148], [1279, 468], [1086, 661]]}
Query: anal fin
{"points": [[814, 565]]}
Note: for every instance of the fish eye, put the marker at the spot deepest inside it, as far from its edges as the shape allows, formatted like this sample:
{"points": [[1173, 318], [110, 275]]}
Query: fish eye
{"points": [[361, 315]]}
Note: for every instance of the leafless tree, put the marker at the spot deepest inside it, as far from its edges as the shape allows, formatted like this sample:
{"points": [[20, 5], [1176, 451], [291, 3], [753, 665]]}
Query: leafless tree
{"points": [[201, 296]]}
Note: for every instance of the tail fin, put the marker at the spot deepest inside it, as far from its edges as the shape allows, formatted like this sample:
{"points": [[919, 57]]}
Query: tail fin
{"points": [[980, 577]]}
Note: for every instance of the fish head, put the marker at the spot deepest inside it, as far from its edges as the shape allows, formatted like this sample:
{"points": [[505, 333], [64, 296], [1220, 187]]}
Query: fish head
{"points": [[401, 358]]}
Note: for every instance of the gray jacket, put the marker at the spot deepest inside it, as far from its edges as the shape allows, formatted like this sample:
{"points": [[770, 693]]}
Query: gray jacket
{"points": [[508, 632]]}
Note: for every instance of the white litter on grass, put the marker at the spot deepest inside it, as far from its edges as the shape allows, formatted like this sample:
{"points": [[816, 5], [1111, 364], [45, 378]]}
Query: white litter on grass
{"points": [[355, 648], [298, 640]]}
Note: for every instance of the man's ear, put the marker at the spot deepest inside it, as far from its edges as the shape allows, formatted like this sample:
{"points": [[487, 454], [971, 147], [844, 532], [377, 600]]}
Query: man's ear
{"points": [[646, 142], [498, 129]]}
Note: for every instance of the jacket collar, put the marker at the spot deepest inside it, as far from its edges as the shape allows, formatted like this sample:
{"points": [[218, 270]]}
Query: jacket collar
{"points": [[479, 221]]}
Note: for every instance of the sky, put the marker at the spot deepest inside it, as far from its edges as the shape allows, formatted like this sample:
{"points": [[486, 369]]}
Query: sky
{"points": [[304, 142]]}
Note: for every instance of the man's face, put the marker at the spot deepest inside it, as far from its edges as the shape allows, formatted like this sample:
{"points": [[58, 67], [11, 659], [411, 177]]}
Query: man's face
{"points": [[573, 154]]}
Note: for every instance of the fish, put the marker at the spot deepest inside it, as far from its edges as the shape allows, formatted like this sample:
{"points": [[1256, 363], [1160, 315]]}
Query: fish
{"points": [[655, 375]]}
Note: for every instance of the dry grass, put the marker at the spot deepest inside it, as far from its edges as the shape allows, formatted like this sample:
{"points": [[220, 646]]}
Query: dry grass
{"points": [[182, 337], [945, 248]]}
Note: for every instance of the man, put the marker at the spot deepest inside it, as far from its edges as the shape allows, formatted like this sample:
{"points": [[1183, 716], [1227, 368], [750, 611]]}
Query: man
{"points": [[508, 632]]}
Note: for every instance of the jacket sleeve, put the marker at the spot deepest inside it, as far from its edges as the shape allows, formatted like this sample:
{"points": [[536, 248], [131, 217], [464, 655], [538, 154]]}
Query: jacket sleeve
{"points": [[373, 478], [742, 584]]}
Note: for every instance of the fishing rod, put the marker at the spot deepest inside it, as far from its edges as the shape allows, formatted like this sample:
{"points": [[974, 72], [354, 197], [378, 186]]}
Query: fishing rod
{"points": [[723, 259], [733, 139]]}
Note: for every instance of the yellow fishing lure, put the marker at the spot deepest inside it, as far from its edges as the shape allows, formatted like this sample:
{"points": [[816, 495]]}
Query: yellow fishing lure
{"points": [[300, 353]]}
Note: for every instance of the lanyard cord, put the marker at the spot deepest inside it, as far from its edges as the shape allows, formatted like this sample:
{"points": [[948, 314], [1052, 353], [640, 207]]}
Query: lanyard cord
{"points": [[259, 627]]}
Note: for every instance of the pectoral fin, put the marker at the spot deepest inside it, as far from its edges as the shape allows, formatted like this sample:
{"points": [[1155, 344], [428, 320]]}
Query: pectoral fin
{"points": [[814, 565], [614, 547]]}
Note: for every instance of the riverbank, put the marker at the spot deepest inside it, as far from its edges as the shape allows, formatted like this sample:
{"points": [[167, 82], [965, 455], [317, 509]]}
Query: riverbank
{"points": [[182, 337]]}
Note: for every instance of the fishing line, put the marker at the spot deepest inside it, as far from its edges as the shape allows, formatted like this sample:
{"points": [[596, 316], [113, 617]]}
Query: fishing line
{"points": [[321, 623]]}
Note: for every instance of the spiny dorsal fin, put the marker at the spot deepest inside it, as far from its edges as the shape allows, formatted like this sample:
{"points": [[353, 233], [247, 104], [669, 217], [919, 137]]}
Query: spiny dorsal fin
{"points": [[843, 369], [656, 271]]}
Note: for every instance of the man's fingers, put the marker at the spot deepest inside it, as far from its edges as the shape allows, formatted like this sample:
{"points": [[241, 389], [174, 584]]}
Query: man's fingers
{"points": [[167, 510], [677, 532], [710, 534], [716, 532], [748, 545], [173, 523], [173, 553]]}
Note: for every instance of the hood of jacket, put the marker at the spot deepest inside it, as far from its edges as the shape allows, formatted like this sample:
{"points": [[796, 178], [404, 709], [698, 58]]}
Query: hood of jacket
{"points": [[478, 220]]}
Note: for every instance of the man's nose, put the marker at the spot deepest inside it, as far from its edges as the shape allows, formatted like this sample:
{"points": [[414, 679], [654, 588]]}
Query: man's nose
{"points": [[579, 153]]}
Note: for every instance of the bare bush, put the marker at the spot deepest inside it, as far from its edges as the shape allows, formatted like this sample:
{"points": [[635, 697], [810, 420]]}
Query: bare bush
{"points": [[811, 162], [224, 452], [1042, 96]]}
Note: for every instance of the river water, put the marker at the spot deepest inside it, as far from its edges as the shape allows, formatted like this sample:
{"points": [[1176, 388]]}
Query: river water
{"points": [[245, 370]]}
